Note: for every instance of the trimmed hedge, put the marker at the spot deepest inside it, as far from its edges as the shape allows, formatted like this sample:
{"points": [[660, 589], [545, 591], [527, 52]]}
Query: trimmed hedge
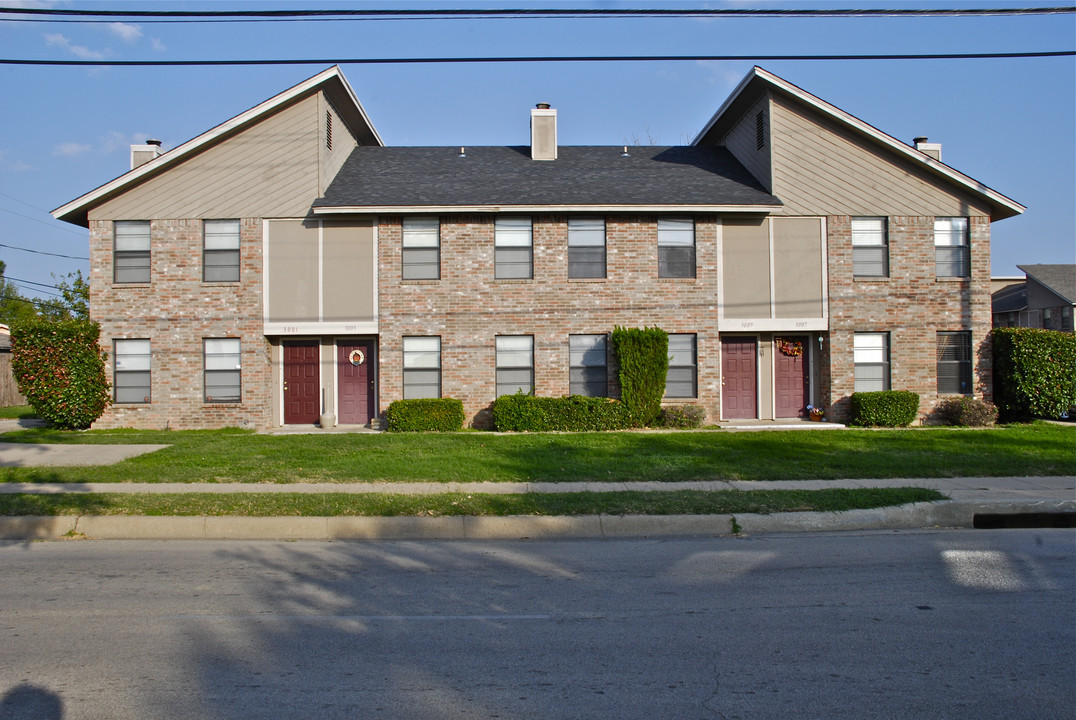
{"points": [[642, 356], [1034, 372], [61, 370], [426, 415], [686, 417], [886, 408], [572, 413], [966, 412]]}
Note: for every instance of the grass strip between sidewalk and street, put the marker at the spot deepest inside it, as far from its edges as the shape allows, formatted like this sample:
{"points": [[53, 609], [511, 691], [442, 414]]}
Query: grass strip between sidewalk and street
{"points": [[680, 502], [232, 455]]}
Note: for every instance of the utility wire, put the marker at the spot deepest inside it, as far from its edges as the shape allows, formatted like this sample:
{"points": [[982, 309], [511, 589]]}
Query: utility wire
{"points": [[46, 224], [42, 252], [537, 59], [29, 282], [544, 12]]}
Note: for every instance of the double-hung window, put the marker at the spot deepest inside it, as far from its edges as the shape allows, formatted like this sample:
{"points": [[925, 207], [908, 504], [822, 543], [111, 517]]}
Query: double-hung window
{"points": [[682, 378], [586, 247], [220, 254], [515, 364], [954, 363], [421, 367], [513, 248], [130, 255], [223, 368], [870, 253], [676, 247], [421, 248], [951, 252], [131, 372], [870, 353], [587, 363]]}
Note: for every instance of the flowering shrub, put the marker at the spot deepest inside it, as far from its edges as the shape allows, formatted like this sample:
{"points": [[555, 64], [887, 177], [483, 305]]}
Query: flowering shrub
{"points": [[61, 370]]}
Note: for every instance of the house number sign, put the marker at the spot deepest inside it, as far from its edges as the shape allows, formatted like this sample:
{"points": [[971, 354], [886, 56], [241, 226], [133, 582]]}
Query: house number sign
{"points": [[357, 357]]}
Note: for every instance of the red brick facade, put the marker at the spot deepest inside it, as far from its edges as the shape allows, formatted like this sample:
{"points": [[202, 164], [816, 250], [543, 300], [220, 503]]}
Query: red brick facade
{"points": [[175, 311]]}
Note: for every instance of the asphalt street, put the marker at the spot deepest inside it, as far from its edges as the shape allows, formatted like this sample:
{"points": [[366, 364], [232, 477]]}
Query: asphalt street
{"points": [[907, 624]]}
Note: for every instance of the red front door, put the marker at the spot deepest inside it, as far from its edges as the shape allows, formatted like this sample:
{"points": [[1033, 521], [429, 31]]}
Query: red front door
{"points": [[302, 381], [791, 385], [356, 370], [739, 378]]}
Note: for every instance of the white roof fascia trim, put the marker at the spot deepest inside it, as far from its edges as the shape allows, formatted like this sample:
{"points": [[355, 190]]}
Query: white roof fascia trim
{"points": [[355, 99], [867, 129], [178, 153], [396, 209]]}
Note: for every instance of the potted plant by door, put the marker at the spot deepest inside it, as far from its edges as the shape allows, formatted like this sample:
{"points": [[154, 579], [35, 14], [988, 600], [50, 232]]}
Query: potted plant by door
{"points": [[815, 413]]}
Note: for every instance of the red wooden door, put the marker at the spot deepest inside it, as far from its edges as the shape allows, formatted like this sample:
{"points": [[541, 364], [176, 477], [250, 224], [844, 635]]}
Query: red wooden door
{"points": [[355, 363], [739, 378], [791, 384], [302, 381]]}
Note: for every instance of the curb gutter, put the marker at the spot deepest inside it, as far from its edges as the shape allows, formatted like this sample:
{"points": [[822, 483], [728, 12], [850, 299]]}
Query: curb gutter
{"points": [[949, 514]]}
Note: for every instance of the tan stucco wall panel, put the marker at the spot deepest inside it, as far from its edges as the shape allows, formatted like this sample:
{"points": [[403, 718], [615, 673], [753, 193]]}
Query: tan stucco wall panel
{"points": [[745, 258], [798, 261], [350, 280], [292, 278]]}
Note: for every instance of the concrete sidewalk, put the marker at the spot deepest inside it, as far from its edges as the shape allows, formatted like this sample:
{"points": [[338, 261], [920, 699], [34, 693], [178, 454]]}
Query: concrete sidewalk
{"points": [[969, 497]]}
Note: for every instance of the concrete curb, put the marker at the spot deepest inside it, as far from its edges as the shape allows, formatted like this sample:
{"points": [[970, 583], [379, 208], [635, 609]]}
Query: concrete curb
{"points": [[952, 514]]}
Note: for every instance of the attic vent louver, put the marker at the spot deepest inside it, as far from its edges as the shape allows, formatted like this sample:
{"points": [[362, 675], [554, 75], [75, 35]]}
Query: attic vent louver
{"points": [[760, 130], [328, 130]]}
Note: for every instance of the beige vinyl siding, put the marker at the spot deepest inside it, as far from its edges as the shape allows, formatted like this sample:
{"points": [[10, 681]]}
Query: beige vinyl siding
{"points": [[797, 267], [350, 281], [292, 286], [268, 170], [820, 168], [742, 142], [343, 142]]}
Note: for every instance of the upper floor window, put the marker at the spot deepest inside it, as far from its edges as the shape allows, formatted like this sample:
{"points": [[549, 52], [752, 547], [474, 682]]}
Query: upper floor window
{"points": [[130, 255], [676, 248], [586, 247], [870, 254], [682, 378], [513, 248], [220, 254], [421, 248], [131, 372], [587, 363], [951, 252], [223, 368], [515, 364], [870, 353], [954, 363], [421, 367]]}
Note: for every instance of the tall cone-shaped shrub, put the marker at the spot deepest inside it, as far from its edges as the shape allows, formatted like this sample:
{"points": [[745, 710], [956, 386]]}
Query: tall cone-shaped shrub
{"points": [[642, 355], [61, 370]]}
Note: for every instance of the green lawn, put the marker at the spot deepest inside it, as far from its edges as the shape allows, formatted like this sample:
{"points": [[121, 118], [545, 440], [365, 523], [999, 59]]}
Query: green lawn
{"points": [[239, 456], [16, 412], [686, 502]]}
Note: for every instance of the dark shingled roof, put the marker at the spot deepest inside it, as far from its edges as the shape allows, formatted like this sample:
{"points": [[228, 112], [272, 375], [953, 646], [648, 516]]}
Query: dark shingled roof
{"points": [[1061, 279], [437, 176]]}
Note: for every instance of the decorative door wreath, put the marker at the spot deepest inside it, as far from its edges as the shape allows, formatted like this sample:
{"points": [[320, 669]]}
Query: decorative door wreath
{"points": [[357, 357], [791, 348]]}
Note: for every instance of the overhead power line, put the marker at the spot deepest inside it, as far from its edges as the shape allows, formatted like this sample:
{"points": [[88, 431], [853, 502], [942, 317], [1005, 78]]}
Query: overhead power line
{"points": [[543, 12], [42, 252], [539, 59]]}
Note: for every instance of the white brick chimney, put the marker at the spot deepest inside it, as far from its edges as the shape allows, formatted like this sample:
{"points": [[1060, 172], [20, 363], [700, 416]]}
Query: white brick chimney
{"points": [[928, 148], [142, 154], [543, 132]]}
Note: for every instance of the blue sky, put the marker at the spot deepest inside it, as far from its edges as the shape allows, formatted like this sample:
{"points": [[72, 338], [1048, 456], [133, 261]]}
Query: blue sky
{"points": [[1009, 123]]}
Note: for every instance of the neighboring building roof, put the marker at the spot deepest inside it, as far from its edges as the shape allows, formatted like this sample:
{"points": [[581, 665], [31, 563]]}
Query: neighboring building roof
{"points": [[759, 81], [431, 179], [331, 81], [1059, 279], [1010, 299]]}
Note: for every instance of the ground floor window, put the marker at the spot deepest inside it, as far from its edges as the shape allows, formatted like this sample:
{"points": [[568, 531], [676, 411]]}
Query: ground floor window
{"points": [[421, 367], [682, 378], [587, 363], [954, 363], [131, 373], [515, 364], [871, 357], [222, 363]]}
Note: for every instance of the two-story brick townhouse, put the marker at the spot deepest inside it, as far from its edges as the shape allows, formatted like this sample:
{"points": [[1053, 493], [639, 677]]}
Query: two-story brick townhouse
{"points": [[286, 265]]}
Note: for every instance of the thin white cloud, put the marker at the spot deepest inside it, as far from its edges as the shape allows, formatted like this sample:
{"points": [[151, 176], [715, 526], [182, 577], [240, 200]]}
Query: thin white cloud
{"points": [[157, 44], [80, 51], [127, 32], [121, 141], [70, 149], [720, 72]]}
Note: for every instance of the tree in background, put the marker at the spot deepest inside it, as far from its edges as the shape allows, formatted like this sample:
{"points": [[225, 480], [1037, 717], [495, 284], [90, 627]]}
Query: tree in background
{"points": [[74, 300], [13, 306]]}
